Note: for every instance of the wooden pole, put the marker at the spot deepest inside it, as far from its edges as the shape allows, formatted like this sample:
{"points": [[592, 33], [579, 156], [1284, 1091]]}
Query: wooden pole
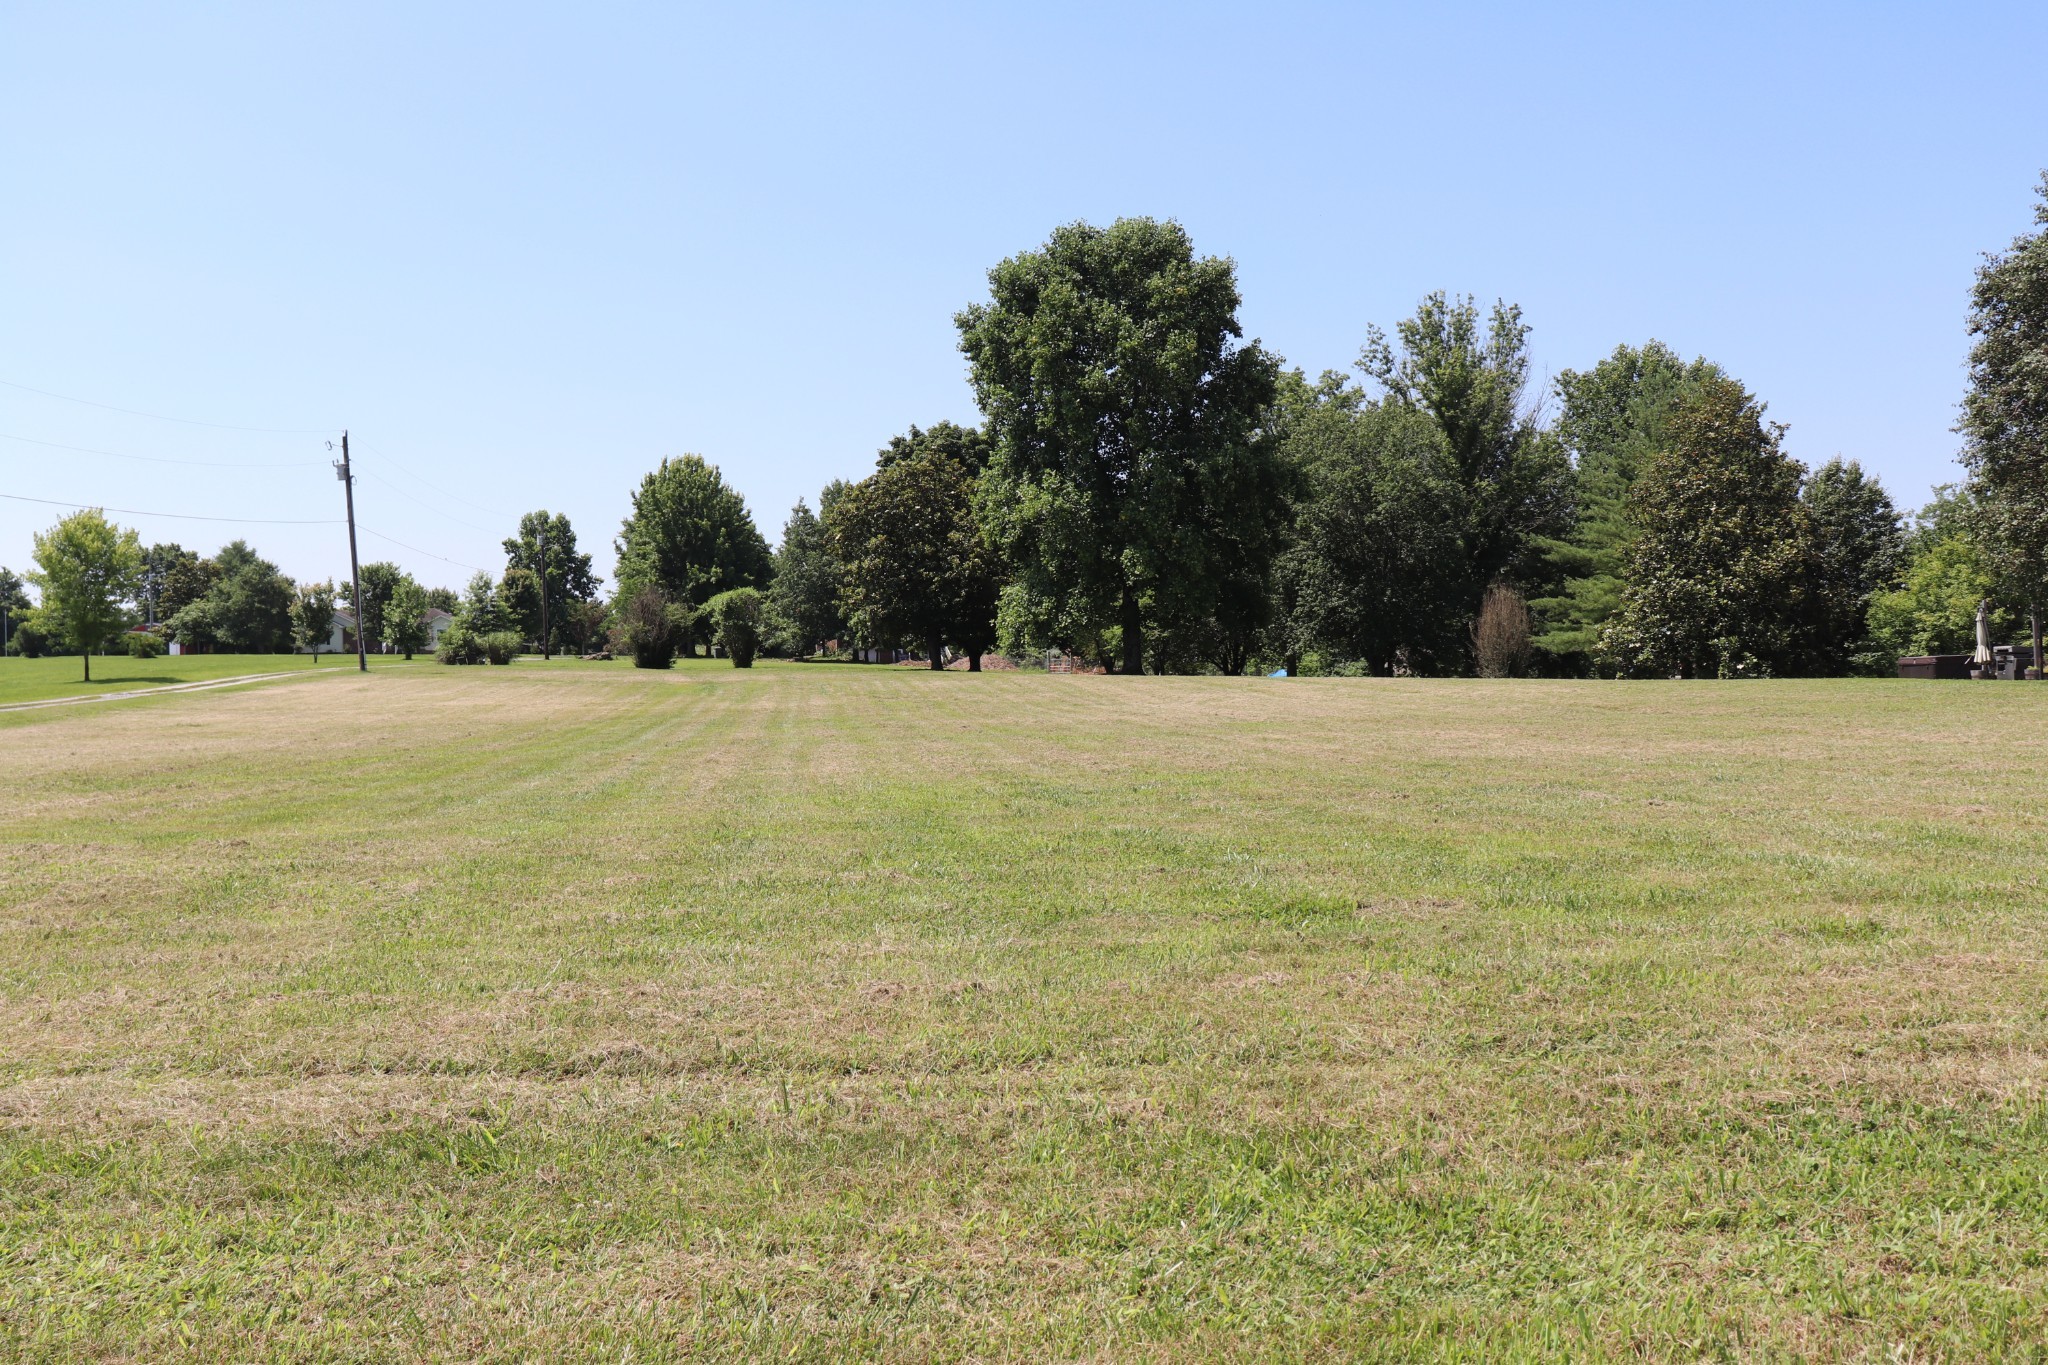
{"points": [[355, 577]]}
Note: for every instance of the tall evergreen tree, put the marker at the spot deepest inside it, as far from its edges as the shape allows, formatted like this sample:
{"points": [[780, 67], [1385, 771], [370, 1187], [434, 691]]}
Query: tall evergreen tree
{"points": [[1718, 578], [804, 599], [1858, 553], [1612, 418]]}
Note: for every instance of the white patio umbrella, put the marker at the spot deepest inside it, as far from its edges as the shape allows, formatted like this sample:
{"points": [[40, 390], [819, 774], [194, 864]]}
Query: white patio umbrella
{"points": [[1984, 632]]}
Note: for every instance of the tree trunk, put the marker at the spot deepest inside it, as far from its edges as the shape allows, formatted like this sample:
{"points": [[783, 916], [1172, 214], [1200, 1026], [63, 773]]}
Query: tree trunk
{"points": [[2034, 615], [1134, 634], [974, 661], [935, 646], [1292, 663], [86, 654]]}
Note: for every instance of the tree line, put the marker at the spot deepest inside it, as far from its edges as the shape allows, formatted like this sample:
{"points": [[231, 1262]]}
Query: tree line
{"points": [[101, 587], [1151, 492]]}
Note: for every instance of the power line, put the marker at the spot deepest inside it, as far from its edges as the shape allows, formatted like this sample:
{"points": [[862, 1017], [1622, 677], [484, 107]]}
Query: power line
{"points": [[175, 516], [245, 521], [160, 417], [418, 551], [157, 459], [446, 494], [423, 502]]}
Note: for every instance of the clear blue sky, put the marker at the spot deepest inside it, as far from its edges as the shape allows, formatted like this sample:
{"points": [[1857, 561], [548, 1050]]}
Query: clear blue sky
{"points": [[523, 253]]}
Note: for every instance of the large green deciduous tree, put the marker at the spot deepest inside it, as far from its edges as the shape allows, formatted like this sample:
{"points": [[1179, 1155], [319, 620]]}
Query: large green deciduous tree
{"points": [[482, 611], [2005, 415], [1859, 549], [519, 598], [1513, 477], [1718, 579], [173, 578], [1376, 572], [1934, 609], [1946, 573], [1612, 418], [690, 535], [566, 574], [14, 604], [248, 609], [967, 447], [1123, 412], [87, 570], [914, 565], [803, 602]]}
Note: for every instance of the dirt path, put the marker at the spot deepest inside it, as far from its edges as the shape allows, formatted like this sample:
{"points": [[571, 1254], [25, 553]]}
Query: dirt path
{"points": [[160, 690]]}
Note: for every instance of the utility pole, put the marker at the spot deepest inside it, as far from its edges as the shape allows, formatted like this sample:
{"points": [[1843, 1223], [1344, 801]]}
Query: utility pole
{"points": [[355, 577], [545, 654]]}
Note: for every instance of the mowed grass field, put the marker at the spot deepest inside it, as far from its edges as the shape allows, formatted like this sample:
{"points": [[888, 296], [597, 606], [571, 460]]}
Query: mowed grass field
{"points": [[827, 1013], [23, 680]]}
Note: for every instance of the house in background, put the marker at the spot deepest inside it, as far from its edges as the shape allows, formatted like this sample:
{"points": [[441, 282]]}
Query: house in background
{"points": [[342, 639]]}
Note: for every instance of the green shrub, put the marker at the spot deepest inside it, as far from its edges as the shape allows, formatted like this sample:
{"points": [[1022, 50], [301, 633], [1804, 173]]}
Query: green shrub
{"points": [[736, 618], [144, 644], [30, 641], [460, 645], [500, 646], [648, 630]]}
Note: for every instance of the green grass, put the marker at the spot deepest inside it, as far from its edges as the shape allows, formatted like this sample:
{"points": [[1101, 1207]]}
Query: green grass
{"points": [[41, 679], [524, 1013]]}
